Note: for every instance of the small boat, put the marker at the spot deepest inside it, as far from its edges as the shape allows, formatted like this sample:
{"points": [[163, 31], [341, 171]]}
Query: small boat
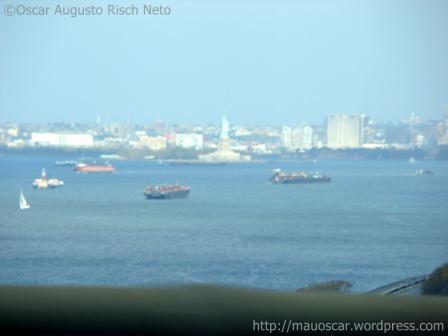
{"points": [[411, 159], [44, 183], [23, 204], [424, 172]]}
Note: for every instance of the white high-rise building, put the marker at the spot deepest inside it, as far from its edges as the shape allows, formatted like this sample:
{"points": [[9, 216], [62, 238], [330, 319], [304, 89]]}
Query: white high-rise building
{"points": [[445, 121], [297, 138], [286, 137], [300, 137], [344, 131], [307, 135]]}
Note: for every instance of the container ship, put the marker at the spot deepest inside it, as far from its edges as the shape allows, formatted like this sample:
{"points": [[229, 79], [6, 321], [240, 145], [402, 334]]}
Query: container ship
{"points": [[93, 168], [279, 177], [166, 191], [45, 183]]}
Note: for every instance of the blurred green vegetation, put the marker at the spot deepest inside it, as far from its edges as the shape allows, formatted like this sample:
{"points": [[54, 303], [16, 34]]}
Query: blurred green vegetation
{"points": [[341, 286], [437, 283]]}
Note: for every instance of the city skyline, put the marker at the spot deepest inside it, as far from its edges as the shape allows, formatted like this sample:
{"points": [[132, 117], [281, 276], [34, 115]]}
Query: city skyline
{"points": [[267, 62], [228, 142]]}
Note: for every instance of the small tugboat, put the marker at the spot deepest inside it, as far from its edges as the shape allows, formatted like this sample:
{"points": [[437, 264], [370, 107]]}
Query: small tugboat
{"points": [[424, 172], [279, 177], [44, 183], [94, 168], [169, 191]]}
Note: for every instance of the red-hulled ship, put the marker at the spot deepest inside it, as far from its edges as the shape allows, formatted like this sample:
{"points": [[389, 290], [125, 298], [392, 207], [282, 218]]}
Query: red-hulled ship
{"points": [[89, 168]]}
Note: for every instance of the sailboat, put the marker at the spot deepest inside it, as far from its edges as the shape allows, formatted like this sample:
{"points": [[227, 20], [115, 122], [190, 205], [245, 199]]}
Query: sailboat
{"points": [[22, 201]]}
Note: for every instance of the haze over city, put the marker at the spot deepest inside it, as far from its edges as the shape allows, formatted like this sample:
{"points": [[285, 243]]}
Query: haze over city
{"points": [[257, 63]]}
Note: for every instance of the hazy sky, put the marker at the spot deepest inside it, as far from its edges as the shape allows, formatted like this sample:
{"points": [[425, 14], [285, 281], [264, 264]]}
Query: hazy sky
{"points": [[279, 62]]}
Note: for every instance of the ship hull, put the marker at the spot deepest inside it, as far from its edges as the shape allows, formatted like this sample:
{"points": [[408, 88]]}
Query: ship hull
{"points": [[95, 169], [167, 195], [306, 181]]}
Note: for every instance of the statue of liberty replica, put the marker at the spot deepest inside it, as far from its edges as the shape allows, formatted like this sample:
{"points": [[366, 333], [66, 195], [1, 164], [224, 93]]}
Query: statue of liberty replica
{"points": [[224, 153], [224, 141], [224, 129]]}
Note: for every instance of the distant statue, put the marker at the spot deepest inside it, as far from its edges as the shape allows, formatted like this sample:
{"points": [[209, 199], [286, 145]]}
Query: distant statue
{"points": [[224, 129]]}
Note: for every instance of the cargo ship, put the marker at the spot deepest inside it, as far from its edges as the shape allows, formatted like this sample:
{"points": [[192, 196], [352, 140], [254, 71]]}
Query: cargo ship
{"points": [[166, 191], [279, 177], [93, 168], [45, 183]]}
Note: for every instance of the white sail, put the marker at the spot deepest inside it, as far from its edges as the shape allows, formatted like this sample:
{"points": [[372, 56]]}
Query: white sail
{"points": [[22, 201]]}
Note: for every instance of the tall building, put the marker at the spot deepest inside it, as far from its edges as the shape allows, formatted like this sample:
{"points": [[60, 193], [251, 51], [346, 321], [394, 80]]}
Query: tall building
{"points": [[297, 138], [344, 131], [443, 129], [307, 137], [300, 137], [286, 137], [445, 121]]}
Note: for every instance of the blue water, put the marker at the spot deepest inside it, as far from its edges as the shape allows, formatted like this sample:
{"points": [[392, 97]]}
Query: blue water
{"points": [[374, 224]]}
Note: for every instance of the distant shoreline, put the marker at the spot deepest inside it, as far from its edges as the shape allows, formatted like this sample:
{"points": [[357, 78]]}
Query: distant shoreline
{"points": [[419, 154]]}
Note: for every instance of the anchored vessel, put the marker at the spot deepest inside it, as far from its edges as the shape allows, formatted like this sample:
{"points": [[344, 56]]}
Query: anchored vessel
{"points": [[297, 178], [166, 191], [424, 172], [44, 183], [66, 163], [87, 168]]}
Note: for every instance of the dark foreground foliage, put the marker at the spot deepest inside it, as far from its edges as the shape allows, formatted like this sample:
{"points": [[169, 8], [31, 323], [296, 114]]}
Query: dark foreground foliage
{"points": [[328, 286], [437, 284]]}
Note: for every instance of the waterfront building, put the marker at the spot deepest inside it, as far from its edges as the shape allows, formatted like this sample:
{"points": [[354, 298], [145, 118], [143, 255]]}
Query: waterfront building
{"points": [[286, 137], [307, 142], [153, 143], [300, 137], [61, 139], [190, 140], [297, 138], [344, 131]]}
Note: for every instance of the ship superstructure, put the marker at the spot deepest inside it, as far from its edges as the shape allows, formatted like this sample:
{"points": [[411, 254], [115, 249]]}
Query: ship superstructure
{"points": [[169, 191], [94, 168], [280, 177], [45, 183]]}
